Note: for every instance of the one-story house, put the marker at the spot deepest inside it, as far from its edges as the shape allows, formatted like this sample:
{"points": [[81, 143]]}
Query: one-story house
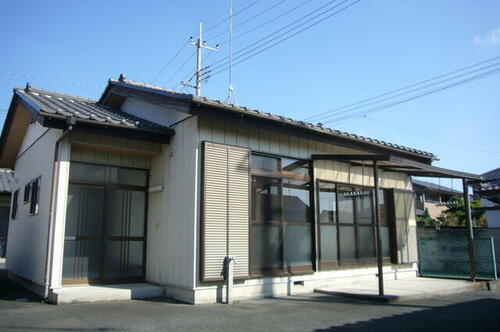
{"points": [[6, 182], [151, 185]]}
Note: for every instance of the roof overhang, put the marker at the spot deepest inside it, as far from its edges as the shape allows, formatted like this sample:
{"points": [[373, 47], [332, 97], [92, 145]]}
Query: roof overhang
{"points": [[393, 163]]}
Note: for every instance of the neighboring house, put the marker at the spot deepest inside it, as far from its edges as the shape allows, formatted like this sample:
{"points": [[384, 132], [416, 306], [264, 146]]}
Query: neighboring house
{"points": [[6, 183], [149, 184], [488, 191], [432, 197]]}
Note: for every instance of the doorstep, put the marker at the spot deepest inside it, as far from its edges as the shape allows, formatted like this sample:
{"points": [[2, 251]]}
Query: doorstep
{"points": [[99, 293], [402, 289]]}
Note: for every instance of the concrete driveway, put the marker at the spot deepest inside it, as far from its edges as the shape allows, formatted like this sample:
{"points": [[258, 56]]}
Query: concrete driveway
{"points": [[316, 312]]}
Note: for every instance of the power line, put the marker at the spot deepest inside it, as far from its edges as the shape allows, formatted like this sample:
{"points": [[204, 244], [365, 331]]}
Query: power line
{"points": [[428, 137], [236, 13], [251, 18], [180, 68], [184, 46], [426, 93], [36, 78], [364, 101], [170, 61], [286, 38], [274, 19], [280, 30]]}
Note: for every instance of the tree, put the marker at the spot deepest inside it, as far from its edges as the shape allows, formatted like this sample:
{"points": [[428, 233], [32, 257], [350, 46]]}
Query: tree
{"points": [[455, 215], [426, 220]]}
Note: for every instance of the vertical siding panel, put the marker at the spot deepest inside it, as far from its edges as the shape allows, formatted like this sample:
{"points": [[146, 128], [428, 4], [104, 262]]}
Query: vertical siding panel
{"points": [[284, 145], [294, 147], [274, 141], [264, 141], [218, 132], [242, 138], [230, 134], [253, 139], [205, 129]]}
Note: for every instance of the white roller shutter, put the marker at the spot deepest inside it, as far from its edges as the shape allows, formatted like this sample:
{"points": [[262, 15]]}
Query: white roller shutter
{"points": [[226, 204]]}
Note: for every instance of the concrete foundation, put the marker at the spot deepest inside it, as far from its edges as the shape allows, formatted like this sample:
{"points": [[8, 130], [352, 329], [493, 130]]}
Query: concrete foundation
{"points": [[87, 293]]}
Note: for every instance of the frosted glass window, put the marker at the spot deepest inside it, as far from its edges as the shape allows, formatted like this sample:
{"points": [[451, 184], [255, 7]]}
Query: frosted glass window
{"points": [[123, 259], [126, 212], [87, 173], [328, 241], [127, 176], [347, 242], [297, 245], [366, 242], [266, 247], [81, 259], [84, 212]]}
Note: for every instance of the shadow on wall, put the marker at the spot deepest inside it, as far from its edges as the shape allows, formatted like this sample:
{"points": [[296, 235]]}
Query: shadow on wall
{"points": [[479, 315]]}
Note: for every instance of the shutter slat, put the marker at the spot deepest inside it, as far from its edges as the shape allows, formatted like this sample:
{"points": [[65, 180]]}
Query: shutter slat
{"points": [[226, 200]]}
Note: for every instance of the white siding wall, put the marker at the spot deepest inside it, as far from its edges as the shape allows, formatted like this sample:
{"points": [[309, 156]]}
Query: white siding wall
{"points": [[173, 214], [161, 115], [26, 248]]}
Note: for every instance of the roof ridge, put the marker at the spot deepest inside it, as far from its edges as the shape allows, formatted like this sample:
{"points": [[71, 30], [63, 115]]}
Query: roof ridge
{"points": [[55, 93], [318, 126]]}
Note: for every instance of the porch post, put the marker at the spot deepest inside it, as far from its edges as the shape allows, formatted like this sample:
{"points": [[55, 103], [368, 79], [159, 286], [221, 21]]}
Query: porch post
{"points": [[470, 230], [379, 241]]}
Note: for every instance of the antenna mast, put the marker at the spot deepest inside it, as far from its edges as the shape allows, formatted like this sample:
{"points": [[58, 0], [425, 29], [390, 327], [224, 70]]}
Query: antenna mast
{"points": [[200, 45], [230, 89]]}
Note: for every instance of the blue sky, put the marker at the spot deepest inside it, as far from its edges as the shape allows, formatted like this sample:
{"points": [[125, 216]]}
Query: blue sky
{"points": [[373, 47]]}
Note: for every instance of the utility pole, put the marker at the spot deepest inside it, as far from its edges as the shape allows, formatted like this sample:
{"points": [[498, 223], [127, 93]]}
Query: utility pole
{"points": [[200, 45]]}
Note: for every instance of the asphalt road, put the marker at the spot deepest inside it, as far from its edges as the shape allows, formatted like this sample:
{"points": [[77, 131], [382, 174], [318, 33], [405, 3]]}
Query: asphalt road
{"points": [[478, 311]]}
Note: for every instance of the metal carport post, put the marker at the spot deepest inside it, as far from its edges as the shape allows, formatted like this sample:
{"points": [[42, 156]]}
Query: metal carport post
{"points": [[470, 230]]}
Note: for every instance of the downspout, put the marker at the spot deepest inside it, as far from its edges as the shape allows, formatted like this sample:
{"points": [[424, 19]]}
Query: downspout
{"points": [[53, 202]]}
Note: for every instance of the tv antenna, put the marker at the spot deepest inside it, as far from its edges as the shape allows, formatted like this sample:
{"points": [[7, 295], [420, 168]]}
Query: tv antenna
{"points": [[200, 71], [230, 89]]}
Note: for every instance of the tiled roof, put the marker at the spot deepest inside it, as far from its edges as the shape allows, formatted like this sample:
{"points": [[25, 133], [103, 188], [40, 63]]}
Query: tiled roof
{"points": [[257, 113], [493, 174], [83, 108], [6, 180]]}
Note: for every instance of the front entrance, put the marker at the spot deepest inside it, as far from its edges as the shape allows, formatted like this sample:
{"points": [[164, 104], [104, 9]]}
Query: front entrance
{"points": [[105, 224]]}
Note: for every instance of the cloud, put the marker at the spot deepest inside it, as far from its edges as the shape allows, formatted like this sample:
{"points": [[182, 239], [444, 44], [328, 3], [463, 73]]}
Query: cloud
{"points": [[493, 39]]}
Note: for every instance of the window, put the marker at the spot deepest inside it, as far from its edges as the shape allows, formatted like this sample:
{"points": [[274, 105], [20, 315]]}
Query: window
{"points": [[280, 216], [27, 193], [347, 224], [35, 196], [14, 204]]}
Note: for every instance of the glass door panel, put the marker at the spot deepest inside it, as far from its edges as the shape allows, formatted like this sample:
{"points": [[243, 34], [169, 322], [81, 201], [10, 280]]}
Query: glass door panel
{"points": [[82, 244]]}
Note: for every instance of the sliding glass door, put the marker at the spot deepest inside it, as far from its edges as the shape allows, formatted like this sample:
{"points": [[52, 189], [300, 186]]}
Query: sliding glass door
{"points": [[105, 224]]}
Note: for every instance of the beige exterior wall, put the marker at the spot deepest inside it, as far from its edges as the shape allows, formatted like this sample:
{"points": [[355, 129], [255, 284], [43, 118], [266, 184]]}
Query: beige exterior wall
{"points": [[265, 141], [173, 213]]}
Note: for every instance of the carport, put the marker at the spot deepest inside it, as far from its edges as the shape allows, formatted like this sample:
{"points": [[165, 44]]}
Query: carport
{"points": [[392, 163]]}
